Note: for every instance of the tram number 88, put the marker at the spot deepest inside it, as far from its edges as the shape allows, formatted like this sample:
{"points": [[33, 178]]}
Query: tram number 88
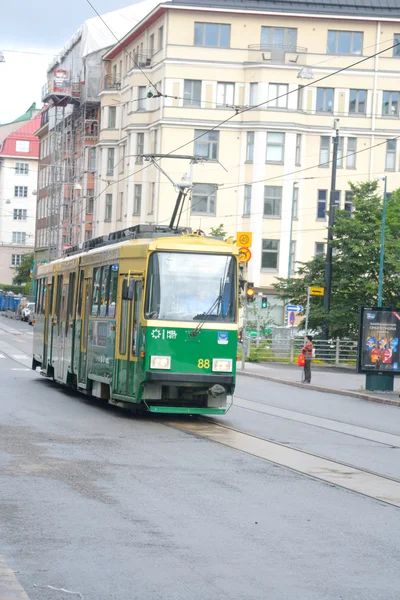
{"points": [[203, 363]]}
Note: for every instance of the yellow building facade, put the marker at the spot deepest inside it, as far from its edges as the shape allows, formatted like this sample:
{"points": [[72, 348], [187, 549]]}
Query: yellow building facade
{"points": [[264, 164]]}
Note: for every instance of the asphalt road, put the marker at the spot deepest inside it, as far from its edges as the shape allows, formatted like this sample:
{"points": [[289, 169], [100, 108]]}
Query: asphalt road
{"points": [[115, 508]]}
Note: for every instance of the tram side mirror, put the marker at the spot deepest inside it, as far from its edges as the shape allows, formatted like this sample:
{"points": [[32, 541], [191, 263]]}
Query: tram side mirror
{"points": [[131, 289]]}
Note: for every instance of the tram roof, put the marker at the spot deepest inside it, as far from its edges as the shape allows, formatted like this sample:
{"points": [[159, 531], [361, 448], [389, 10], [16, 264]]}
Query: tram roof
{"points": [[138, 249]]}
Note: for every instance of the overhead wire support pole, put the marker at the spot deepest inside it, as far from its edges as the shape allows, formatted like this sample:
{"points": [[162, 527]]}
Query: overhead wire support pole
{"points": [[331, 221]]}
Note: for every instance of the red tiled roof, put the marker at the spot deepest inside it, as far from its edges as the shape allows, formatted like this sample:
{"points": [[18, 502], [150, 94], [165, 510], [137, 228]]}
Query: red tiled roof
{"points": [[24, 133]]}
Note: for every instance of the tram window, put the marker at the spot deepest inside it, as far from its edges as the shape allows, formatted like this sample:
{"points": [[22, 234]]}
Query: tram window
{"points": [[96, 291], [79, 308], [38, 294], [125, 304], [104, 290], [44, 293], [59, 296], [136, 317], [112, 291], [70, 304], [51, 296]]}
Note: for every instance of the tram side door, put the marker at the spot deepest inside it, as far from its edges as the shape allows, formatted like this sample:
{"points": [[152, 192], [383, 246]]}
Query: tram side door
{"points": [[48, 310], [128, 335], [87, 295]]}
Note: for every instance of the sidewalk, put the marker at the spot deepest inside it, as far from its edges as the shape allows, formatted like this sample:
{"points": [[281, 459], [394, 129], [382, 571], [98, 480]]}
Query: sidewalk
{"points": [[328, 380]]}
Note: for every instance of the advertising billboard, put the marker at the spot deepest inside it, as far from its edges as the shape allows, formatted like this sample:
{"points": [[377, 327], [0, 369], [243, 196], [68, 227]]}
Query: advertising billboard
{"points": [[378, 341]]}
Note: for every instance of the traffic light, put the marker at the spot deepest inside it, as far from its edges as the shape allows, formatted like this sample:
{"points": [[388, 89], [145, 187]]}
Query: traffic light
{"points": [[250, 293], [264, 302]]}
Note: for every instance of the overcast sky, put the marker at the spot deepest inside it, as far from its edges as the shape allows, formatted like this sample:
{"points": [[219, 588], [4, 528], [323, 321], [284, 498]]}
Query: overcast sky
{"points": [[43, 28]]}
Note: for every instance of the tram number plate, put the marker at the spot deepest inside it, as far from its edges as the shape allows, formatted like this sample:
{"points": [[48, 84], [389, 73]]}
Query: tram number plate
{"points": [[203, 363]]}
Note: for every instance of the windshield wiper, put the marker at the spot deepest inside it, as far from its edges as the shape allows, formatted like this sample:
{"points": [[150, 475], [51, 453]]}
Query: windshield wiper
{"points": [[216, 302]]}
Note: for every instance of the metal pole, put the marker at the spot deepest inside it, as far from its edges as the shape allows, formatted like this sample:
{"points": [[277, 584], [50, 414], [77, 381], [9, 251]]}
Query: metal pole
{"points": [[331, 220], [382, 253], [290, 247], [244, 337], [307, 313]]}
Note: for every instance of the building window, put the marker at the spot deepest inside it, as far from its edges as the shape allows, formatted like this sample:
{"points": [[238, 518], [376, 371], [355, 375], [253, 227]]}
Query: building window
{"points": [[321, 207], [21, 168], [340, 153], [110, 161], [206, 146], [319, 248], [325, 100], [16, 260], [270, 254], [151, 45], [358, 102], [295, 201], [142, 97], [272, 201], [293, 256], [390, 105], [192, 92], [92, 160], [18, 237], [20, 191], [108, 215], [275, 147], [212, 35], [88, 235], [112, 117], [137, 199], [20, 214], [345, 42], [324, 152], [351, 153], [281, 38], [22, 146], [90, 202], [391, 146], [396, 49], [204, 199], [247, 201], [139, 148], [277, 95], [298, 150], [225, 94], [150, 209], [161, 37], [348, 202], [253, 94], [250, 147]]}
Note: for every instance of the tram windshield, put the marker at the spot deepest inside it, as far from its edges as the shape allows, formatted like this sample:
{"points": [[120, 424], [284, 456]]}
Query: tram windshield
{"points": [[188, 286]]}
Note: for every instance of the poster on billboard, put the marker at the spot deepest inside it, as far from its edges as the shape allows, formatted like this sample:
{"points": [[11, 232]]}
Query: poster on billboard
{"points": [[61, 82], [378, 341]]}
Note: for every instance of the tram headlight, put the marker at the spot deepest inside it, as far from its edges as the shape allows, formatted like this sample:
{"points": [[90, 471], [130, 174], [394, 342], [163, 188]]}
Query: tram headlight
{"points": [[160, 362], [222, 364]]}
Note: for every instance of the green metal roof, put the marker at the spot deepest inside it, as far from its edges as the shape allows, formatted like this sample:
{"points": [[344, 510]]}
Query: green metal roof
{"points": [[30, 113]]}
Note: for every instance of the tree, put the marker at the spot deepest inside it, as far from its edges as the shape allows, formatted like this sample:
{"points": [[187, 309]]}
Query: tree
{"points": [[218, 231], [355, 266], [22, 273], [257, 316]]}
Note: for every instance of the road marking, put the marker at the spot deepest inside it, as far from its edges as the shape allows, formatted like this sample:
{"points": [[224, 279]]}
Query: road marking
{"points": [[2, 356], [21, 357], [21, 369], [372, 435], [375, 486], [10, 588]]}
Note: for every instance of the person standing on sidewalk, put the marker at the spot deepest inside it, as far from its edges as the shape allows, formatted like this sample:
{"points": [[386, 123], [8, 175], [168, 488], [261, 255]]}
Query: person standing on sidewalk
{"points": [[307, 351]]}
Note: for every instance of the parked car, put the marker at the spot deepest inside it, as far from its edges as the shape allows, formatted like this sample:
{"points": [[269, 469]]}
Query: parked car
{"points": [[26, 311]]}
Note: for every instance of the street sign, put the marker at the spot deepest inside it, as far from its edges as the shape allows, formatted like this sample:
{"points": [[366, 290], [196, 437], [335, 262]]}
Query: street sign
{"points": [[244, 239], [291, 318], [294, 308], [316, 291], [244, 255]]}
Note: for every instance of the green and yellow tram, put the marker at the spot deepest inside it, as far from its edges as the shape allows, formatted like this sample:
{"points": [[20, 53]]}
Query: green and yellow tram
{"points": [[148, 322]]}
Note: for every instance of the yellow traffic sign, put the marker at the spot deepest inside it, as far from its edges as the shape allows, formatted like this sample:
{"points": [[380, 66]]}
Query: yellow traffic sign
{"points": [[244, 239], [244, 255], [316, 291]]}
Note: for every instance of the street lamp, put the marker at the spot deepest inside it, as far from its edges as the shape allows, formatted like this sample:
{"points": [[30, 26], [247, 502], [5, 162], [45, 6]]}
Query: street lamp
{"points": [[382, 252]]}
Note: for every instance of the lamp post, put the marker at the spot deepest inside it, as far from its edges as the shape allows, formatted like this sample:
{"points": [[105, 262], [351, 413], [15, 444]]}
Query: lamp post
{"points": [[331, 220], [295, 191], [382, 252], [382, 382]]}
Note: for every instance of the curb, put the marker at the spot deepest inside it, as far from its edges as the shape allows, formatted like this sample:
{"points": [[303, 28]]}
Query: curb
{"points": [[319, 388]]}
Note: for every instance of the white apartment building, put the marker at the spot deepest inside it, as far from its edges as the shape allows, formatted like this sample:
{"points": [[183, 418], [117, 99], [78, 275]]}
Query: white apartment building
{"points": [[208, 63], [19, 151]]}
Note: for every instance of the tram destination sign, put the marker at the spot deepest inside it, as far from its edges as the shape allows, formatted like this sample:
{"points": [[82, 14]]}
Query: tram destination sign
{"points": [[378, 341]]}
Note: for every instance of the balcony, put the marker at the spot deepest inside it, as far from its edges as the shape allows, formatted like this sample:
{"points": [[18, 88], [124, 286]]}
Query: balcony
{"points": [[112, 82], [56, 91], [276, 54]]}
